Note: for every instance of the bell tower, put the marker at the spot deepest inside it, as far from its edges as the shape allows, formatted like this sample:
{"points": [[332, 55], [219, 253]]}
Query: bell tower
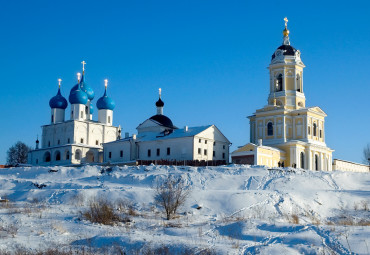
{"points": [[286, 75]]}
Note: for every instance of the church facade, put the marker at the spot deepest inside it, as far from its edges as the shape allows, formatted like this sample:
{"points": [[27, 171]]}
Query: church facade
{"points": [[286, 132], [159, 139], [81, 140], [78, 139]]}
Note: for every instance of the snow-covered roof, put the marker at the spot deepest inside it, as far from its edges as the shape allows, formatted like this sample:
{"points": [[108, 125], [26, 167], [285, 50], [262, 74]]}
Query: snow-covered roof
{"points": [[176, 133]]}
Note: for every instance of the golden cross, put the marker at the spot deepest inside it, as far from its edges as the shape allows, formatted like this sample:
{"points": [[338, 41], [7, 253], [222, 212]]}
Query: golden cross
{"points": [[160, 92], [83, 65], [59, 81], [286, 21], [106, 83]]}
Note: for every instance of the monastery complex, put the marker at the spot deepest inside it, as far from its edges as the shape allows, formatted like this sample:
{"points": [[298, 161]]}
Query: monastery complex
{"points": [[284, 133]]}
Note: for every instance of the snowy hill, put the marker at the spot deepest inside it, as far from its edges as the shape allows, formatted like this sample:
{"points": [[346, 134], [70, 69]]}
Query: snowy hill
{"points": [[230, 210]]}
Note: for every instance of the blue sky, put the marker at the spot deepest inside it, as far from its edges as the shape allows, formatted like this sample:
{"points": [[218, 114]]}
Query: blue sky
{"points": [[209, 57]]}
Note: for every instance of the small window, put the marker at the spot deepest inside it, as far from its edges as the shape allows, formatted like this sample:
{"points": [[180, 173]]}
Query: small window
{"points": [[200, 140], [49, 144], [108, 119], [71, 114], [309, 130], [314, 129], [97, 142], [320, 133], [279, 83], [214, 153], [205, 141], [78, 155], [214, 143], [121, 154], [69, 140], [199, 151], [82, 140], [223, 147], [223, 155], [168, 151], [52, 118], [149, 153], [58, 142], [82, 114], [86, 110], [37, 161], [205, 152], [270, 129], [158, 152], [67, 155], [110, 154]]}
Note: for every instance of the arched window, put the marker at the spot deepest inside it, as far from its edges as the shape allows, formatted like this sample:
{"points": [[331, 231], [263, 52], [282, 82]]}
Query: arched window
{"points": [[86, 110], [316, 162], [270, 129], [302, 160], [78, 154], [279, 83], [57, 155], [47, 157], [67, 155], [314, 129], [298, 82], [52, 118]]}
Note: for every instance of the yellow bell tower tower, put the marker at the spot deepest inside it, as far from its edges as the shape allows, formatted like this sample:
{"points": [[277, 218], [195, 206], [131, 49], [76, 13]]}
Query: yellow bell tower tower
{"points": [[286, 75], [286, 132]]}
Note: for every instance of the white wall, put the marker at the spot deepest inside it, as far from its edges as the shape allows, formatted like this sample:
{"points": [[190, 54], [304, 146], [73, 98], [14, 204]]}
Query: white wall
{"points": [[349, 166], [128, 148], [211, 135], [180, 149]]}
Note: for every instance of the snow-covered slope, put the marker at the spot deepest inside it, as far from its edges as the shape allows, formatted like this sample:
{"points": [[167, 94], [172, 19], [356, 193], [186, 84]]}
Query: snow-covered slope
{"points": [[244, 210]]}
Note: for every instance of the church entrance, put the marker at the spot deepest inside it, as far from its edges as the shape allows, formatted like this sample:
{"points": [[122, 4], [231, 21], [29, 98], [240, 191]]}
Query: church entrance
{"points": [[90, 157]]}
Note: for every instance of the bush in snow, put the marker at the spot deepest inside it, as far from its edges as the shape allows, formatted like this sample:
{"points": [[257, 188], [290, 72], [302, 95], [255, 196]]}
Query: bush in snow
{"points": [[170, 194], [102, 211]]}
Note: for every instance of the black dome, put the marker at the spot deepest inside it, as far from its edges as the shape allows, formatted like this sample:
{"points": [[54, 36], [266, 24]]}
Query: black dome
{"points": [[163, 120], [287, 51], [159, 103]]}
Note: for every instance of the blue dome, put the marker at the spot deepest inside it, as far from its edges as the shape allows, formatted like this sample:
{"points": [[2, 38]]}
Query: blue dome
{"points": [[105, 102], [91, 109], [87, 89], [58, 101], [77, 96]]}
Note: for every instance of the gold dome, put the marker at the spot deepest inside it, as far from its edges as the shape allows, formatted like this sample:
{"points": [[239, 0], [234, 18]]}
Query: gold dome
{"points": [[285, 32]]}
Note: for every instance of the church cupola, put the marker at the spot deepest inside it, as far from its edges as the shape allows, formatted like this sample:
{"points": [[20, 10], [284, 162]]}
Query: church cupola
{"points": [[37, 143], [78, 100], [89, 92], [159, 103], [105, 107], [286, 75], [58, 104]]}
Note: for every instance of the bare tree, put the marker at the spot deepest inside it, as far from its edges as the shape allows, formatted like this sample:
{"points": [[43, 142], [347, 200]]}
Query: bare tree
{"points": [[18, 153], [367, 154], [171, 194]]}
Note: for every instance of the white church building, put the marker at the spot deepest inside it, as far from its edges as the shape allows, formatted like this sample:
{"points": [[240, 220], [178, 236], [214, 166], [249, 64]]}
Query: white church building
{"points": [[82, 140], [79, 139], [158, 139]]}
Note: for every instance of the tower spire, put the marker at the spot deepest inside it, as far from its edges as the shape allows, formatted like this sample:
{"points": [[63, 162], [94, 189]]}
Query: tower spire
{"points": [[160, 92], [286, 33], [78, 77], [59, 82]]}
